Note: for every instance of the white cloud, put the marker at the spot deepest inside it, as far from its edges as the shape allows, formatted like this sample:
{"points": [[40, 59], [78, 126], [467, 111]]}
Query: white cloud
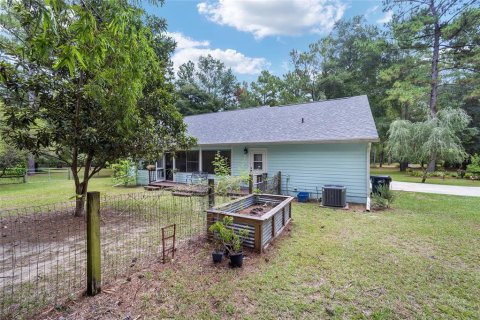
{"points": [[274, 17], [387, 18], [371, 11], [190, 49]]}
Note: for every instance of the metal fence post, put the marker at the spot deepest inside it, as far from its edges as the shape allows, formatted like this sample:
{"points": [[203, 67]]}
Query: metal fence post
{"points": [[279, 187], [211, 193], [94, 273], [250, 184]]}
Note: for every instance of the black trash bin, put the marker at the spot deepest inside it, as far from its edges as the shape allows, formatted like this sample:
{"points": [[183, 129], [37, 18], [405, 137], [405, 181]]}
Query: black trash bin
{"points": [[377, 181]]}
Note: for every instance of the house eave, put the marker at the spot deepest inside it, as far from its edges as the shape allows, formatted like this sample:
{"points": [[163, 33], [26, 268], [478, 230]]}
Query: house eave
{"points": [[362, 140]]}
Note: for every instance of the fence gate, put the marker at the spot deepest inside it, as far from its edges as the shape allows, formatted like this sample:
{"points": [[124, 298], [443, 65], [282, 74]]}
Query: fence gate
{"points": [[168, 242]]}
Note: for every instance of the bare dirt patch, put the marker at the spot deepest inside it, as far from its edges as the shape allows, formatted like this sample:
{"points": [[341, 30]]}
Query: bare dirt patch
{"points": [[147, 289]]}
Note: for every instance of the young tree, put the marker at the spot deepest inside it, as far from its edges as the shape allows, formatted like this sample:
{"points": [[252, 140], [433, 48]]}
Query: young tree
{"points": [[87, 81], [436, 137]]}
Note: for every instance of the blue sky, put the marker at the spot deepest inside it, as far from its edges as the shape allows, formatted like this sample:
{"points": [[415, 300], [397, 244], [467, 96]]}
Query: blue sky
{"points": [[251, 35]]}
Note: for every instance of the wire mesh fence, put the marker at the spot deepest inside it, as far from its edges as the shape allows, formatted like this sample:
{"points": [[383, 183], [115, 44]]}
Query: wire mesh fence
{"points": [[269, 185], [42, 257], [43, 249], [131, 227], [46, 174]]}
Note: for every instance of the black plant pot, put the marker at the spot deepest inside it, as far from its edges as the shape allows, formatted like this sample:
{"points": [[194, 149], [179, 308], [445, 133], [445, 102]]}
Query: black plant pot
{"points": [[217, 256], [236, 260]]}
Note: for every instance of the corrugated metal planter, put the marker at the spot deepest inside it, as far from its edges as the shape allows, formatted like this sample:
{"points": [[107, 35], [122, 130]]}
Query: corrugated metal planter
{"points": [[262, 229]]}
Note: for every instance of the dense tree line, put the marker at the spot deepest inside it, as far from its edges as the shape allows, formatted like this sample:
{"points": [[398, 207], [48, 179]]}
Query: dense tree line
{"points": [[425, 60]]}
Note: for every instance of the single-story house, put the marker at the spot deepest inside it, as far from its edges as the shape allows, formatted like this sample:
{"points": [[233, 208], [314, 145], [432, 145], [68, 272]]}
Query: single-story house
{"points": [[312, 144]]}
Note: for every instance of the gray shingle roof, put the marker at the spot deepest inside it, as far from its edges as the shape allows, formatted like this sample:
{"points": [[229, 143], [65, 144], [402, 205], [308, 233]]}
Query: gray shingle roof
{"points": [[347, 119]]}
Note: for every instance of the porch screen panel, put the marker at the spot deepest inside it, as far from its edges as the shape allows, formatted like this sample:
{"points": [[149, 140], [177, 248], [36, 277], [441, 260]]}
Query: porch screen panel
{"points": [[186, 161], [208, 156]]}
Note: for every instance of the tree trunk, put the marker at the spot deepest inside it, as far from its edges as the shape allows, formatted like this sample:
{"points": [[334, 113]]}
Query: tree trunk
{"points": [[431, 165], [403, 166], [424, 177], [381, 158], [434, 76], [79, 206], [81, 194], [81, 187], [435, 60]]}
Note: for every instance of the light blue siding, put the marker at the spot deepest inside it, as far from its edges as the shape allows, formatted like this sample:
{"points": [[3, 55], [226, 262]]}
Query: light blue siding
{"points": [[306, 167], [142, 177]]}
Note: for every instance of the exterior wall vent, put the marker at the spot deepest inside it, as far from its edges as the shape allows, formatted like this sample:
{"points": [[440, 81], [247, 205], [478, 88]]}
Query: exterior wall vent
{"points": [[334, 196]]}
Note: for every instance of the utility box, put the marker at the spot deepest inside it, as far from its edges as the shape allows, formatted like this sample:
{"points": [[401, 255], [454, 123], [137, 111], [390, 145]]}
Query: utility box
{"points": [[334, 196]]}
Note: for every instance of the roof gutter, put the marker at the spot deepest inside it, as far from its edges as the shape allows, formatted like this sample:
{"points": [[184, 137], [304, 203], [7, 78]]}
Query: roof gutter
{"points": [[366, 140]]}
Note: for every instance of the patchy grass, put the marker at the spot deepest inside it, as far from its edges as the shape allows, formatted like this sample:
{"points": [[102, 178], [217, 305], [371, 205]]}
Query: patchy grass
{"points": [[406, 177], [37, 192], [418, 260]]}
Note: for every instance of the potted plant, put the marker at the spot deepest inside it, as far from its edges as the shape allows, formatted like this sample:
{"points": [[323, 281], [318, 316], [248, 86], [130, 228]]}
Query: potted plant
{"points": [[231, 241], [221, 236], [236, 252], [218, 230]]}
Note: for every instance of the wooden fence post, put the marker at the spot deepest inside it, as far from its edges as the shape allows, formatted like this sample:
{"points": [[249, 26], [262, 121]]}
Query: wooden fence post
{"points": [[211, 193], [279, 175], [94, 273], [250, 184]]}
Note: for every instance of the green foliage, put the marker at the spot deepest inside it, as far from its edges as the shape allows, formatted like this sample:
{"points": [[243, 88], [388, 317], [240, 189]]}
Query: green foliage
{"points": [[226, 183], [474, 166], [383, 198], [208, 86], [12, 160], [224, 231], [90, 85], [124, 173], [437, 138], [220, 165]]}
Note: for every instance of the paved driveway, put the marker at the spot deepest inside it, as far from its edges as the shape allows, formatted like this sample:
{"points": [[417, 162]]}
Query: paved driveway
{"points": [[436, 188]]}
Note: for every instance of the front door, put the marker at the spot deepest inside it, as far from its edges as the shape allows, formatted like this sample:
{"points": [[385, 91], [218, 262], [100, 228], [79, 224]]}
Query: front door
{"points": [[160, 170], [169, 166], [258, 164]]}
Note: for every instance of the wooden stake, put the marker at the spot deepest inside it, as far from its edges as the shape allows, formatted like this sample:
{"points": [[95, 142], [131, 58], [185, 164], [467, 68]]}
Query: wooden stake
{"points": [[211, 193], [94, 272]]}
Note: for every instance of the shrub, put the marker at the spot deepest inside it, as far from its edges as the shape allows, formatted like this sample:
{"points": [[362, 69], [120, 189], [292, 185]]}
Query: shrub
{"points": [[474, 167], [461, 173], [468, 175], [124, 173], [226, 183], [383, 198], [226, 234], [416, 173]]}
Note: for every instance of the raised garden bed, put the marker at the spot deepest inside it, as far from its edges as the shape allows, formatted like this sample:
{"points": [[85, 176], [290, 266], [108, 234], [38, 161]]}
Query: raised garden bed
{"points": [[263, 215]]}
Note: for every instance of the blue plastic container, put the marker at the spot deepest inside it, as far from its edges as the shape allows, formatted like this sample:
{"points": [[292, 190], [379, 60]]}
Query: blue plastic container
{"points": [[302, 197]]}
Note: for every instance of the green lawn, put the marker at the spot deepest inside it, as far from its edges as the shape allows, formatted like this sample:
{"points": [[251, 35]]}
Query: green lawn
{"points": [[405, 177], [40, 190], [417, 261]]}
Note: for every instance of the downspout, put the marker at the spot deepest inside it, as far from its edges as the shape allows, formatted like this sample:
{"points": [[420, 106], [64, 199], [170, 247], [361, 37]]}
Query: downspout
{"points": [[367, 207]]}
